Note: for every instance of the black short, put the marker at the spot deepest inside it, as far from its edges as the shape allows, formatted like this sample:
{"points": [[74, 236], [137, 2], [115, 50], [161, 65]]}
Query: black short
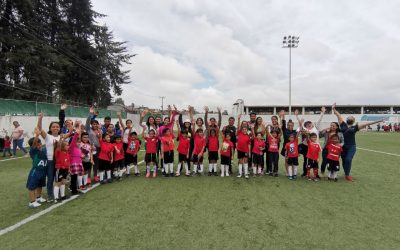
{"points": [[333, 165], [150, 157], [61, 174], [241, 154], [104, 165], [197, 159], [257, 159], [283, 152], [182, 158], [213, 155], [87, 166], [168, 157], [130, 159], [293, 161], [303, 149], [225, 160], [119, 164], [312, 163]]}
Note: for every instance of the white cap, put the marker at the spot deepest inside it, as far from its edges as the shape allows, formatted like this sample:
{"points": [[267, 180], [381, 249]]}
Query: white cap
{"points": [[187, 120]]}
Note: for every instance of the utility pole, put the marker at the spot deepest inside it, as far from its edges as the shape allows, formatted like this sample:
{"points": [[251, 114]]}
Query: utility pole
{"points": [[162, 106]]}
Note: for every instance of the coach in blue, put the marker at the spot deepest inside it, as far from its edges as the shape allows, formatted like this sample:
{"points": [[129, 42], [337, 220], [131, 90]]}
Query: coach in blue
{"points": [[349, 129]]}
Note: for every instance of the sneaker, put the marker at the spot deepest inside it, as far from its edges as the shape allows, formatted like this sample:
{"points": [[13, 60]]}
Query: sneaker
{"points": [[154, 174], [276, 175], [147, 174], [40, 200], [50, 199], [177, 174], [109, 180], [209, 173], [227, 174], [270, 174], [246, 176], [34, 204], [188, 174], [96, 179], [215, 174], [171, 175], [137, 174], [239, 176], [103, 182], [64, 198], [89, 181], [348, 178], [290, 177], [316, 179], [309, 178], [82, 187], [336, 179], [294, 177]]}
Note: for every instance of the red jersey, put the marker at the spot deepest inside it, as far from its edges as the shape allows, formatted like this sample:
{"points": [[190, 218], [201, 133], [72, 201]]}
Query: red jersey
{"points": [[334, 151], [273, 144], [226, 148], [133, 146], [184, 145], [7, 143], [213, 144], [151, 145], [106, 149], [243, 142], [63, 160], [120, 155], [167, 143], [313, 150], [199, 144], [292, 149], [258, 147]]}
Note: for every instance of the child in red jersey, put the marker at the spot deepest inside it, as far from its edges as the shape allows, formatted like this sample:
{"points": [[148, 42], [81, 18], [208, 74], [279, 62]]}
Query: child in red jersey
{"points": [[151, 152], [63, 162], [167, 149], [243, 147], [313, 155], [273, 151], [87, 159], [198, 151], [183, 150], [119, 157], [334, 152], [131, 157], [226, 152], [7, 146], [213, 146], [257, 153], [106, 158], [292, 156]]}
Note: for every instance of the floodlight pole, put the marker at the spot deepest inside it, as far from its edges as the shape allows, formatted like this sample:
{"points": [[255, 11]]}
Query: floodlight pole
{"points": [[290, 42], [162, 106]]}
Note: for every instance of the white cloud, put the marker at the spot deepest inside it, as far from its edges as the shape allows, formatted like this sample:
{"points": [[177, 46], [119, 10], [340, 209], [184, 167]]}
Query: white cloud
{"points": [[214, 52]]}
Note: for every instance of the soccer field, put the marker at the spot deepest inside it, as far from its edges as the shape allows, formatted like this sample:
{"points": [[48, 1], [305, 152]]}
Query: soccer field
{"points": [[218, 213]]}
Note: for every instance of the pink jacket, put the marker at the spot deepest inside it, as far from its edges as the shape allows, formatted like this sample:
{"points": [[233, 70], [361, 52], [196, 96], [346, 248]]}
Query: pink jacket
{"points": [[170, 125], [74, 151]]}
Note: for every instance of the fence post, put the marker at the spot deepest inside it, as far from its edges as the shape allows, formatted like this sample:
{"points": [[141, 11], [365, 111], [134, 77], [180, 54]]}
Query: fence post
{"points": [[36, 113]]}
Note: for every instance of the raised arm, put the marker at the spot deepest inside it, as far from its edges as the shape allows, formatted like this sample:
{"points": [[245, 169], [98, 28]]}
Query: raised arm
{"points": [[364, 125], [206, 116], [36, 139], [338, 115], [283, 121], [121, 123], [179, 128], [296, 113], [318, 123], [219, 117], [190, 112], [61, 115], [89, 119], [238, 122], [39, 126], [180, 121]]}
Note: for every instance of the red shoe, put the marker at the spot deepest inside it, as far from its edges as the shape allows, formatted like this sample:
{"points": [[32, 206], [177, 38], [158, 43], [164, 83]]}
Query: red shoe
{"points": [[82, 187], [89, 181], [348, 178], [148, 175], [154, 174], [96, 179]]}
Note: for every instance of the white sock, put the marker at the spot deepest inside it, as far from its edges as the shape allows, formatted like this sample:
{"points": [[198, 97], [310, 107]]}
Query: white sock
{"points": [[62, 190], [215, 167], [201, 168], [295, 170], [254, 170], [178, 168], [108, 174], [290, 170], [210, 167], [85, 178], [259, 170], [222, 170], [154, 168], [246, 168], [171, 168], [240, 169], [194, 168], [101, 175], [227, 170], [136, 169], [80, 181], [186, 168], [128, 169], [334, 174], [166, 168], [121, 172], [115, 173], [56, 192]]}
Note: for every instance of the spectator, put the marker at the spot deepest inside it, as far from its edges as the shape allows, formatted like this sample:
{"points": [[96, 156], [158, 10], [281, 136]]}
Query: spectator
{"points": [[18, 138]]}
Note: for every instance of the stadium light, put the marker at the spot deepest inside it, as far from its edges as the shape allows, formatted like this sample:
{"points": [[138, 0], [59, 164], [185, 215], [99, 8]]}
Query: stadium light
{"points": [[290, 42]]}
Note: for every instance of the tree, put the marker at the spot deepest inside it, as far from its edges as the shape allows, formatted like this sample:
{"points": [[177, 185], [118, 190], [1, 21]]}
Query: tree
{"points": [[120, 101]]}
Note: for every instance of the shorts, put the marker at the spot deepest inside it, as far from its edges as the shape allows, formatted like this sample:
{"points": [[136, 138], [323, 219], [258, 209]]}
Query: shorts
{"points": [[225, 160], [293, 161], [333, 165], [76, 168], [36, 178], [197, 159], [87, 166], [213, 155], [303, 149], [182, 158], [258, 159], [168, 157], [130, 159], [104, 165], [150, 157], [61, 174], [119, 164], [283, 152], [312, 163], [241, 154]]}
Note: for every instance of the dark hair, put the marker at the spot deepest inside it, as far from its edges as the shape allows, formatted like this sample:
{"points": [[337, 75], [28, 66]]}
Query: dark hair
{"points": [[199, 130], [148, 120], [94, 121], [108, 125], [129, 120], [212, 119], [30, 142], [290, 121], [306, 123], [107, 118], [334, 136], [51, 124], [116, 137], [258, 133], [152, 131], [337, 127], [104, 135], [133, 133], [165, 130], [7, 137], [84, 134], [253, 113], [201, 119], [274, 116], [313, 135], [228, 134], [184, 132], [213, 130], [274, 131], [231, 118]]}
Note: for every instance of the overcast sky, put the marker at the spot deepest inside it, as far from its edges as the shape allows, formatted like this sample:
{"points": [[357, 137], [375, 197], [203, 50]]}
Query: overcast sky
{"points": [[213, 52]]}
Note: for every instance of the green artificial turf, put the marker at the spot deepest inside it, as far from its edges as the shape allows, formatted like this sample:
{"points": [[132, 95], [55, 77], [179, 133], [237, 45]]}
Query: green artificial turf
{"points": [[218, 213]]}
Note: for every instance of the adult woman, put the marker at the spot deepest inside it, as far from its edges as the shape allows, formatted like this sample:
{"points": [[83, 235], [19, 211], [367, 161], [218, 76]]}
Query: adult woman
{"points": [[18, 138], [349, 130], [50, 138], [92, 127], [327, 134]]}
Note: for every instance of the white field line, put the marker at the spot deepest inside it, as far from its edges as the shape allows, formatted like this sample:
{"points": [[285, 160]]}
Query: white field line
{"points": [[15, 158], [380, 152], [47, 210]]}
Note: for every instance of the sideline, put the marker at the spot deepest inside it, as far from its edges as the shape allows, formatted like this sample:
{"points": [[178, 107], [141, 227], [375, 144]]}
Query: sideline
{"points": [[47, 210], [381, 152], [15, 158]]}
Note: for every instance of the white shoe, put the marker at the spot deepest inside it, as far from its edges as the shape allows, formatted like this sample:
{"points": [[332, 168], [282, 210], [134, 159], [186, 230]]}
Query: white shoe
{"points": [[246, 176], [239, 176], [34, 204], [222, 175], [227, 174], [40, 200]]}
